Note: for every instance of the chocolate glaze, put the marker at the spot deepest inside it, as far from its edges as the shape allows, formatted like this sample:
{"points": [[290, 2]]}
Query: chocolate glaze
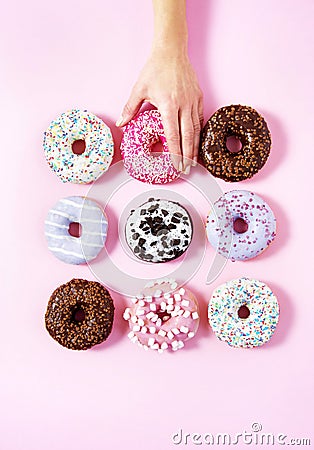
{"points": [[246, 124], [80, 314]]}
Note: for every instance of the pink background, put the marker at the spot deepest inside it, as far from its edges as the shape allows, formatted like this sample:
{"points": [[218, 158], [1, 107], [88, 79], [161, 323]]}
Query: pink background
{"points": [[63, 54]]}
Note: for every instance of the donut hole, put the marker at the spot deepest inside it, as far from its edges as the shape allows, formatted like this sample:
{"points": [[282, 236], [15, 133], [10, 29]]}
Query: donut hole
{"points": [[78, 147], [240, 225], [78, 314], [163, 315], [160, 230], [243, 312], [75, 229], [233, 144], [156, 149]]}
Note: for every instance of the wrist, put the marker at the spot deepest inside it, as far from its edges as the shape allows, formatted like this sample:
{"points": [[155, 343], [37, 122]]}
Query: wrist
{"points": [[167, 47], [174, 48]]}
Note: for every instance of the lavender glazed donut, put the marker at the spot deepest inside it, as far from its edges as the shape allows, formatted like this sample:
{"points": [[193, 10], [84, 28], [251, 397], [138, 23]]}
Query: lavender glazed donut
{"points": [[240, 225], [163, 316], [94, 225], [138, 138]]}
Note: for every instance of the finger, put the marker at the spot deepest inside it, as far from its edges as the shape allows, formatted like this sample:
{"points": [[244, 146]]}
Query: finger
{"points": [[201, 111], [131, 108], [197, 119], [187, 139], [172, 132]]}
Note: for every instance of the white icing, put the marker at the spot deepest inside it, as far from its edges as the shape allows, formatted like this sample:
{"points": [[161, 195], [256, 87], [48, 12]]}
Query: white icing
{"points": [[72, 126], [164, 240]]}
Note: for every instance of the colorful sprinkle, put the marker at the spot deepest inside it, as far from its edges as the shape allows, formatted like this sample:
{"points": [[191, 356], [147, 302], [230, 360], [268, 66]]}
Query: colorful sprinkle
{"points": [[261, 303], [72, 126]]}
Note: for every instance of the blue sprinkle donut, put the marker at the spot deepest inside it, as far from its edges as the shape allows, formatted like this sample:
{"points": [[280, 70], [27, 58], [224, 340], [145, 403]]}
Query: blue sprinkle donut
{"points": [[243, 312], [76, 125], [240, 225], [94, 226]]}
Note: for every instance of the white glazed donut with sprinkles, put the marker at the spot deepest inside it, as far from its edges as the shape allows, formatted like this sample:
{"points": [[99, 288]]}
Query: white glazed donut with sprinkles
{"points": [[77, 125], [240, 225], [243, 312], [94, 226], [163, 316], [139, 136]]}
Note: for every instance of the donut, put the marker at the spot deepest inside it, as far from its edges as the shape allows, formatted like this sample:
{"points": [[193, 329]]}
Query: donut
{"points": [[246, 124], [78, 125], [243, 312], [159, 230], [139, 136], [240, 225], [80, 314], [94, 225], [163, 316]]}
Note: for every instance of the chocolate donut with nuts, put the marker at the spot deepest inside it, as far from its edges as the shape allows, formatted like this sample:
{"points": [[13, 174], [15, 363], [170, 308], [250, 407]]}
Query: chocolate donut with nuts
{"points": [[79, 314], [247, 125]]}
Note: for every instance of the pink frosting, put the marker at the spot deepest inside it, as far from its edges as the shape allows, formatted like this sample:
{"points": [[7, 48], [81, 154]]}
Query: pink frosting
{"points": [[163, 317], [139, 135]]}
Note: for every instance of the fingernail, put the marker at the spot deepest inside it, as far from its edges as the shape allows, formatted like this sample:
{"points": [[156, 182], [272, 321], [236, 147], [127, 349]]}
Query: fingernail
{"points": [[180, 167], [119, 122], [194, 162], [187, 170]]}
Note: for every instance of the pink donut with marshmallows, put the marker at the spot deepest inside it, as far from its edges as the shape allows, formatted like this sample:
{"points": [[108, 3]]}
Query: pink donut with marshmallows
{"points": [[139, 136], [163, 316]]}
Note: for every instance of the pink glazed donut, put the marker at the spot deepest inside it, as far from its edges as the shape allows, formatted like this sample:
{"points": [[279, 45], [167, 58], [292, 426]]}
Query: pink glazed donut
{"points": [[139, 136], [163, 316]]}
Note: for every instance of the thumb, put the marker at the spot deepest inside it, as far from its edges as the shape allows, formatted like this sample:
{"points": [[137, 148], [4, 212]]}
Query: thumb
{"points": [[131, 108]]}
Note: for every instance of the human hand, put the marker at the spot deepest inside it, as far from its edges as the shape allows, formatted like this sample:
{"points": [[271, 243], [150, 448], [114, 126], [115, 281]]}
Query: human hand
{"points": [[170, 84]]}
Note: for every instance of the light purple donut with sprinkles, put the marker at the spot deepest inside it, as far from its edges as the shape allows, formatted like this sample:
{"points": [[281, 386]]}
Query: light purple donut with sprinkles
{"points": [[243, 312], [78, 125], [94, 225], [240, 225], [139, 136]]}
